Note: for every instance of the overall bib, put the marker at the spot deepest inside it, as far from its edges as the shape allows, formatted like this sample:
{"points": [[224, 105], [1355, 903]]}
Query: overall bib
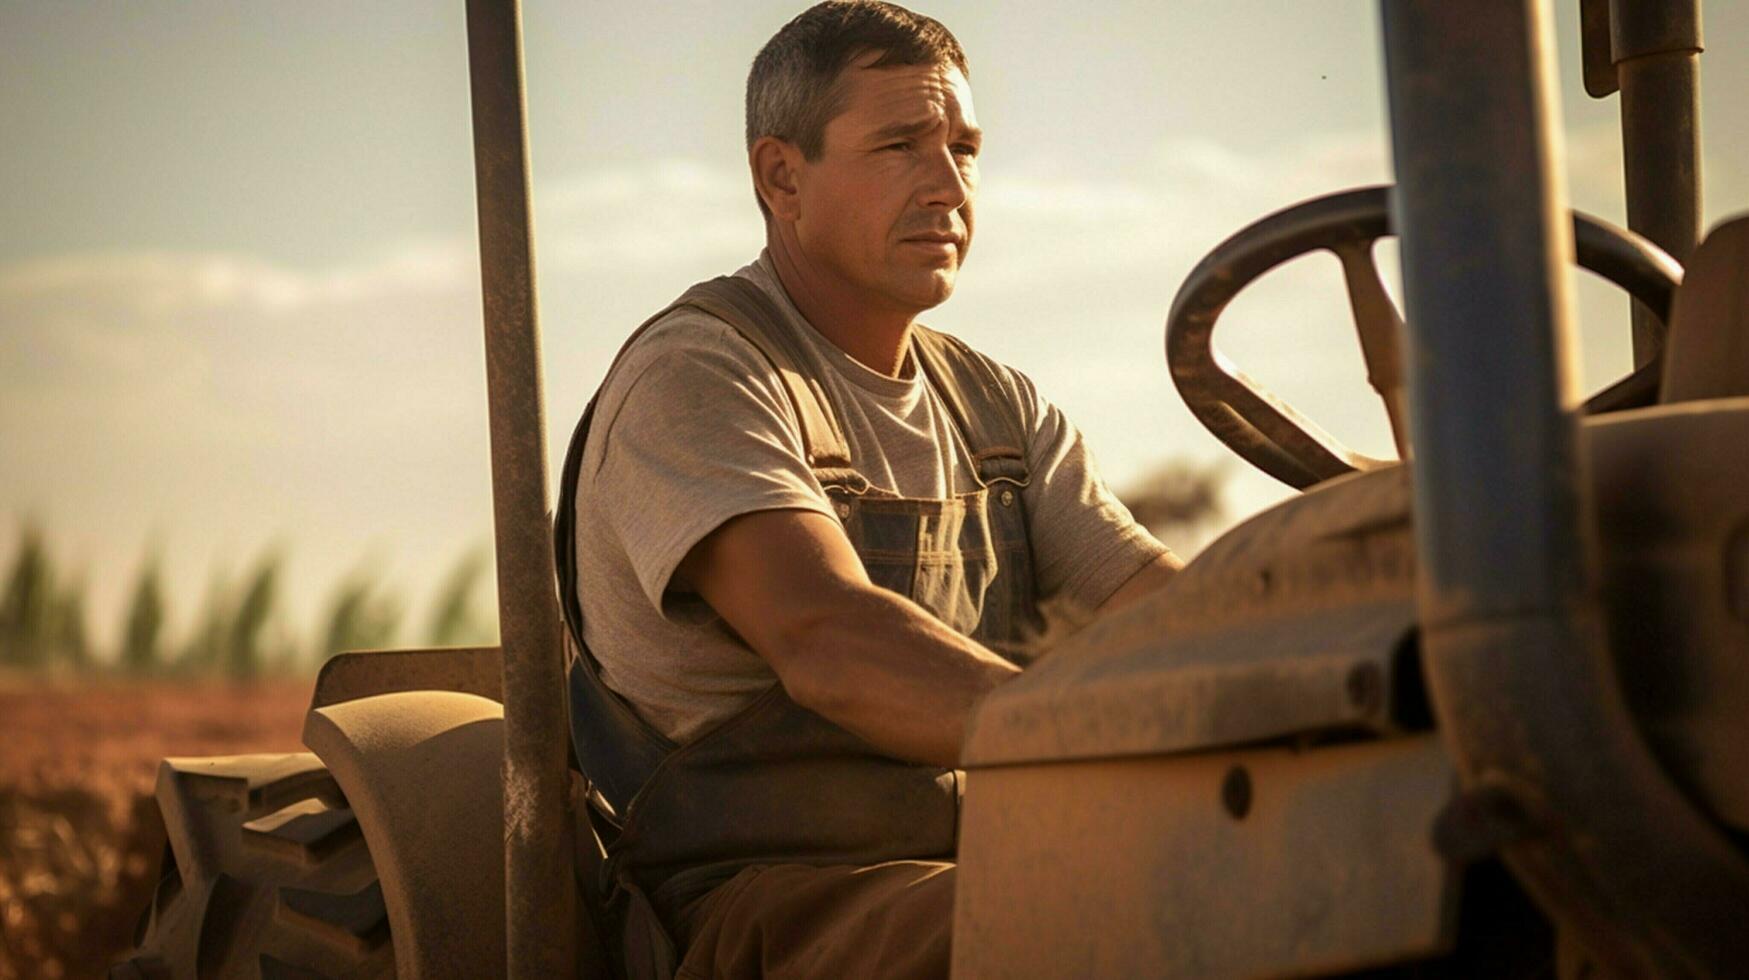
{"points": [[776, 783]]}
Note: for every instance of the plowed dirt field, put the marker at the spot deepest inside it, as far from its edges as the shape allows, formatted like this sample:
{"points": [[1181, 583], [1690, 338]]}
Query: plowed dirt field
{"points": [[80, 836]]}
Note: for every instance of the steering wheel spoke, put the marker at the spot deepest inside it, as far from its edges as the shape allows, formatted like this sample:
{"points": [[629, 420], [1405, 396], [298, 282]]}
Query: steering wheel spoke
{"points": [[1380, 327], [1295, 448]]}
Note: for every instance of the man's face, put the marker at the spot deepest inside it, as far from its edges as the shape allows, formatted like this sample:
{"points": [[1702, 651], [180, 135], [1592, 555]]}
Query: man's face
{"points": [[887, 208]]}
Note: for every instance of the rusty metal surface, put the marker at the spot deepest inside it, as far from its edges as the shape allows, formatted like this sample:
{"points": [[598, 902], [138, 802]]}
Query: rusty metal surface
{"points": [[1708, 352], [362, 673], [1268, 862], [1317, 671], [1266, 431], [420, 769], [1513, 641], [537, 823], [1296, 622], [1290, 623]]}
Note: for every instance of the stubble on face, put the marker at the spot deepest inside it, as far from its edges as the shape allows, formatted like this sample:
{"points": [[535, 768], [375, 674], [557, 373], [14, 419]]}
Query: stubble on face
{"points": [[890, 202]]}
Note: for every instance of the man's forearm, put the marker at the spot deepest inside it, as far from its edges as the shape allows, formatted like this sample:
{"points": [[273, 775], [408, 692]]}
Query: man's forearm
{"points": [[881, 666]]}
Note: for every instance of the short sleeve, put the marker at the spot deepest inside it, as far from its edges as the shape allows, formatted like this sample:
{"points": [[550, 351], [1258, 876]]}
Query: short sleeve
{"points": [[700, 432], [1086, 544]]}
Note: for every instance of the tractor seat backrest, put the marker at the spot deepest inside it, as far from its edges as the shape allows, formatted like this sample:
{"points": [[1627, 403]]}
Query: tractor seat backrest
{"points": [[1706, 354]]}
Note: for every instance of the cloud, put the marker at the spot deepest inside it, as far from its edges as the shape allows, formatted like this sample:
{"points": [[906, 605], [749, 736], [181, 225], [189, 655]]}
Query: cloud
{"points": [[632, 220]]}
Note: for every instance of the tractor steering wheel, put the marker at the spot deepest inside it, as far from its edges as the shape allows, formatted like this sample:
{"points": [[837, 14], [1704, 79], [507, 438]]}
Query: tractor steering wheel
{"points": [[1270, 434]]}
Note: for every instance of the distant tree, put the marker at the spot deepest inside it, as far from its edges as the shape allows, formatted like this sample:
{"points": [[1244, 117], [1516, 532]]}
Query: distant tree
{"points": [[1179, 498], [361, 616], [143, 625], [27, 608], [455, 617], [204, 648], [286, 654], [42, 622], [243, 653], [70, 640]]}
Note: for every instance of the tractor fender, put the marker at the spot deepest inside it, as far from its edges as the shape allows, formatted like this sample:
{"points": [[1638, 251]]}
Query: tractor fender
{"points": [[420, 770]]}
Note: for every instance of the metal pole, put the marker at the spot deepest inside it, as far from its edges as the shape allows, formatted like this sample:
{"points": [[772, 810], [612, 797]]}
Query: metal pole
{"points": [[1512, 640], [1656, 49], [1485, 241], [540, 896]]}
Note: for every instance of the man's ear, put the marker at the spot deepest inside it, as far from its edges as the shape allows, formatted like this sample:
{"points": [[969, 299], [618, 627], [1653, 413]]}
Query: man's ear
{"points": [[776, 166]]}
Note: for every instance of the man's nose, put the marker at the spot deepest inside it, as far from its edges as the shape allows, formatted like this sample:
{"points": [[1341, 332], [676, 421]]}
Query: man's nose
{"points": [[945, 185]]}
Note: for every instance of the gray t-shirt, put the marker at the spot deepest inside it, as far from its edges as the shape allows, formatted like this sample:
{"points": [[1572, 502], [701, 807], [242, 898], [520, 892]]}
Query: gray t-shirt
{"points": [[693, 428]]}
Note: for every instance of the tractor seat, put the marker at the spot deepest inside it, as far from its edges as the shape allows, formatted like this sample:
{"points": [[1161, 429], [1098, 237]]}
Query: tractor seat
{"points": [[1706, 354]]}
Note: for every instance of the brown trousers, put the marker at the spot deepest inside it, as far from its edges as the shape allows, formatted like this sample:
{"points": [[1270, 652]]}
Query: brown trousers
{"points": [[882, 921]]}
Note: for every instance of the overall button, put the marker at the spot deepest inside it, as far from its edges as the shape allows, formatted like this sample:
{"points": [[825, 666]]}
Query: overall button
{"points": [[1008, 498], [844, 511]]}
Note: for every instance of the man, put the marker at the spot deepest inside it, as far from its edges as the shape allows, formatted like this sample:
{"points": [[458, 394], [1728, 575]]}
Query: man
{"points": [[810, 534]]}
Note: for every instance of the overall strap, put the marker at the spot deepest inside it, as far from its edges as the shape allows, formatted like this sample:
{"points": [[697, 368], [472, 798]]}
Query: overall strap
{"points": [[986, 416], [617, 749], [743, 305]]}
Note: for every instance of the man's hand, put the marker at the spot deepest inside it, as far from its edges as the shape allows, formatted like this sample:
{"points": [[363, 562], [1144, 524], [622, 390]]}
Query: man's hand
{"points": [[866, 658]]}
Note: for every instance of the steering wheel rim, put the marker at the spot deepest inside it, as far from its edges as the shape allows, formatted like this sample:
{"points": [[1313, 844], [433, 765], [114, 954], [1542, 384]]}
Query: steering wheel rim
{"points": [[1268, 432]]}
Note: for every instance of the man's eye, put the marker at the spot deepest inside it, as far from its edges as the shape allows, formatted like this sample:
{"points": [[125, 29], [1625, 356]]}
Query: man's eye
{"points": [[897, 146]]}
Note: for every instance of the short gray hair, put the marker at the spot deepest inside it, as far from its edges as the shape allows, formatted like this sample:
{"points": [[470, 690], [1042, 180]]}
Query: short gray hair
{"points": [[794, 88]]}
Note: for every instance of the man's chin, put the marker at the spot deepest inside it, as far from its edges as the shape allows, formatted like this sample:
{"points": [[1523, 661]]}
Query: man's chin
{"points": [[929, 289]]}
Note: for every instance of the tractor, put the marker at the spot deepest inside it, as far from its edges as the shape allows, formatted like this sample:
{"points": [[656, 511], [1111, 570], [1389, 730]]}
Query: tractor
{"points": [[1478, 711]]}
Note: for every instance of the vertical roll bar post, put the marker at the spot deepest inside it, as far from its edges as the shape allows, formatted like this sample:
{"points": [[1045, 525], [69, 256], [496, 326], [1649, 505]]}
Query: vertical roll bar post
{"points": [[1513, 643], [1650, 51], [540, 895]]}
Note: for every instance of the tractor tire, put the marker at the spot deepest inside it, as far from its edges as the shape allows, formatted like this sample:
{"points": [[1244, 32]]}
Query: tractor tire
{"points": [[265, 875]]}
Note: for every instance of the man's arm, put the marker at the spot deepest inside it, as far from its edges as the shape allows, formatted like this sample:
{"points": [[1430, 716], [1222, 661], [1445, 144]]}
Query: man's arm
{"points": [[1149, 578], [864, 657]]}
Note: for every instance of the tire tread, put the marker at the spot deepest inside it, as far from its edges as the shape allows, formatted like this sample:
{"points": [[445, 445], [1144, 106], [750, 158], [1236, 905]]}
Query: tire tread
{"points": [[266, 875]]}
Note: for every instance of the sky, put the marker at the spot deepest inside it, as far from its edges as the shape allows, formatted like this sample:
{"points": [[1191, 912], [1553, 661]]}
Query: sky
{"points": [[239, 298]]}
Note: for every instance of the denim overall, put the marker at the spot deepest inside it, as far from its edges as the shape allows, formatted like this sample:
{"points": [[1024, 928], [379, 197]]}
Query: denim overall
{"points": [[776, 783]]}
